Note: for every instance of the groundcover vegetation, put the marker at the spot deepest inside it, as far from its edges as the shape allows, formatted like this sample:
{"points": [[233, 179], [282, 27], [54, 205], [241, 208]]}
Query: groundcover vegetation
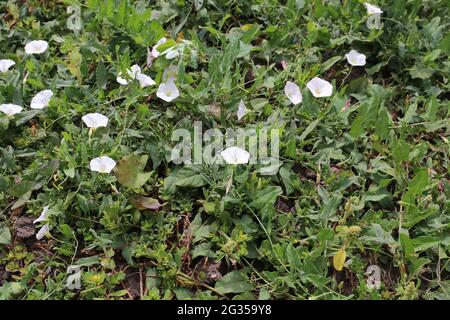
{"points": [[93, 207]]}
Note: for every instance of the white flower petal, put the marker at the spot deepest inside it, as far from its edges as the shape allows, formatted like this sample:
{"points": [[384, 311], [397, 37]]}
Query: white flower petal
{"points": [[319, 87], [242, 110], [36, 47], [10, 109], [95, 120], [134, 71], [235, 155], [371, 9], [355, 58], [121, 80], [292, 91], [41, 100], [144, 80], [155, 52], [43, 231], [43, 216], [102, 164], [167, 91], [5, 64]]}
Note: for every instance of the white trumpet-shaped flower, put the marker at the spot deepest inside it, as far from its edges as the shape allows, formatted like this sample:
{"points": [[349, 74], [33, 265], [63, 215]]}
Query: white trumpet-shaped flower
{"points": [[10, 109], [135, 73], [355, 58], [319, 87], [145, 80], [45, 229], [95, 120], [242, 110], [43, 216], [5, 64], [41, 100], [155, 52], [371, 9], [36, 47], [102, 164], [235, 155], [167, 91], [292, 91]]}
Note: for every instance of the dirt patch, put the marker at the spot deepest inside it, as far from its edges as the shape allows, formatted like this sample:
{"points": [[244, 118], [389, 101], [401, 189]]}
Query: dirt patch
{"points": [[132, 283], [24, 228], [208, 271]]}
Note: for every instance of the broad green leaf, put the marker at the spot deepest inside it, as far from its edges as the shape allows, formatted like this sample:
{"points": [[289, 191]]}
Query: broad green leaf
{"points": [[5, 235], [130, 171], [266, 197], [234, 282]]}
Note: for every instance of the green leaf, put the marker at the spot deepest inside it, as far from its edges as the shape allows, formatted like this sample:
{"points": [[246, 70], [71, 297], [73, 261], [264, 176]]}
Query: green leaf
{"points": [[130, 171], [101, 75], [421, 72], [266, 197], [26, 116], [234, 282], [308, 129], [357, 127], [192, 181], [5, 235], [329, 63]]}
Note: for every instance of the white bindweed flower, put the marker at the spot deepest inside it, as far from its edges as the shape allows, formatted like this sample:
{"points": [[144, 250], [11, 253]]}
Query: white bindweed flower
{"points": [[167, 91], [43, 216], [144, 80], [102, 164], [41, 100], [319, 87], [371, 9], [43, 232], [134, 71], [121, 80], [292, 91], [36, 47], [242, 110], [170, 74], [235, 155], [5, 64], [155, 52], [10, 109], [355, 58], [95, 120]]}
